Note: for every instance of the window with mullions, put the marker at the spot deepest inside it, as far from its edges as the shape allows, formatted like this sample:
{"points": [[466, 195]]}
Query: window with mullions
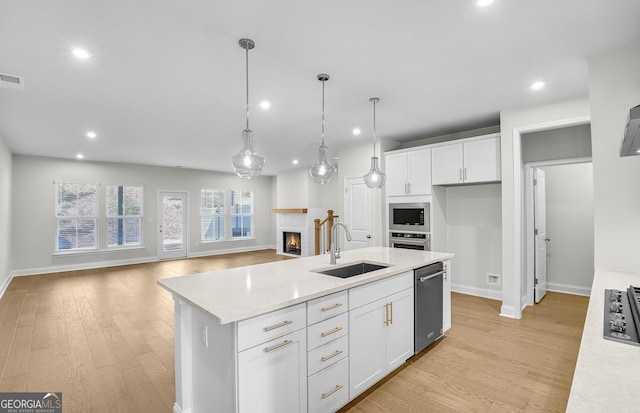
{"points": [[124, 216], [241, 214], [76, 216], [212, 214]]}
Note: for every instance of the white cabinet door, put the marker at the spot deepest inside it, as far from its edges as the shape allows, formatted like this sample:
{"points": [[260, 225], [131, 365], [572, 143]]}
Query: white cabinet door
{"points": [[446, 297], [396, 170], [399, 331], [272, 377], [419, 172], [446, 164], [366, 346], [482, 160]]}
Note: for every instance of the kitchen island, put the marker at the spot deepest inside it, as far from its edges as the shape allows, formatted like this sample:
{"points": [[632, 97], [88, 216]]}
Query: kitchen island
{"points": [[245, 338], [607, 374]]}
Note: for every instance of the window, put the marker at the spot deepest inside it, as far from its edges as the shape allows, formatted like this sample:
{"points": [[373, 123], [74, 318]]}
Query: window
{"points": [[76, 215], [124, 215], [241, 214], [212, 214]]}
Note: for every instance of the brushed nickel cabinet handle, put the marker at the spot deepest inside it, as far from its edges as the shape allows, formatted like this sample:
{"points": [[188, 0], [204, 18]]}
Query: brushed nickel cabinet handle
{"points": [[337, 353], [284, 323], [338, 387], [277, 346], [328, 333], [336, 305]]}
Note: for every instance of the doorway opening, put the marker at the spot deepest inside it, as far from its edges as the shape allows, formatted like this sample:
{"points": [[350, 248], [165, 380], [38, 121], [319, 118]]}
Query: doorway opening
{"points": [[172, 224]]}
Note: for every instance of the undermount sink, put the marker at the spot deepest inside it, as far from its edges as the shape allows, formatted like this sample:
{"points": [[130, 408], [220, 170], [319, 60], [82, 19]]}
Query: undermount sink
{"points": [[352, 270]]}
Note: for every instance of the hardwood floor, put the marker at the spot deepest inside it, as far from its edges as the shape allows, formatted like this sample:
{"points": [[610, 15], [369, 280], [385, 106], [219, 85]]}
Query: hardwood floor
{"points": [[104, 338]]}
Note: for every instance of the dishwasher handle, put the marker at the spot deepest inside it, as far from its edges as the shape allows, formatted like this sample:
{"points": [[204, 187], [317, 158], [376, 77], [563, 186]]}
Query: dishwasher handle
{"points": [[428, 277]]}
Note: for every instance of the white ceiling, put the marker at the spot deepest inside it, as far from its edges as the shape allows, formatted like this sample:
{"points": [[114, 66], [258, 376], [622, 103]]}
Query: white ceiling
{"points": [[165, 85]]}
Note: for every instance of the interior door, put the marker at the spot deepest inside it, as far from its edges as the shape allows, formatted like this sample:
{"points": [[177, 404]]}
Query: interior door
{"points": [[172, 225], [358, 203], [540, 234]]}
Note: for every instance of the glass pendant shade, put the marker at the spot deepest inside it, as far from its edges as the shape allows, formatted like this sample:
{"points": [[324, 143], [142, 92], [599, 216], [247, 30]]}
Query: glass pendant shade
{"points": [[322, 172], [375, 178], [247, 163]]}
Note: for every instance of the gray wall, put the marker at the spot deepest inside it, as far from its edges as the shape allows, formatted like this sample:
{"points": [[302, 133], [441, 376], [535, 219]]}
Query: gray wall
{"points": [[569, 196], [34, 197], [5, 214]]}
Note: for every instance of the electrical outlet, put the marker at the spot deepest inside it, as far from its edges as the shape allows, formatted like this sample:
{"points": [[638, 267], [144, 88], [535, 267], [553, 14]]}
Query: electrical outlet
{"points": [[204, 336], [483, 224], [493, 279]]}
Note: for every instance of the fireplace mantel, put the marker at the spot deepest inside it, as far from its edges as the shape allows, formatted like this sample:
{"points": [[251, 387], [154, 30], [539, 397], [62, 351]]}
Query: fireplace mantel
{"points": [[290, 211]]}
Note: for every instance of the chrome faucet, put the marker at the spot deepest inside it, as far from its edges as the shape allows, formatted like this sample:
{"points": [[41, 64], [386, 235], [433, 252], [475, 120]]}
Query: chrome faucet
{"points": [[335, 251]]}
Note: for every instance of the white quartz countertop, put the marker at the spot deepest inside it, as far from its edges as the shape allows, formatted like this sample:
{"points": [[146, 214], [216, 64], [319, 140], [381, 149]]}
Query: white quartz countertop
{"points": [[239, 293], [607, 375]]}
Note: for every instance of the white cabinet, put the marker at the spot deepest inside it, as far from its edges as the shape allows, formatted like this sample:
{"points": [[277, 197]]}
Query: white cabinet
{"points": [[446, 296], [408, 173], [380, 330], [272, 375], [470, 161]]}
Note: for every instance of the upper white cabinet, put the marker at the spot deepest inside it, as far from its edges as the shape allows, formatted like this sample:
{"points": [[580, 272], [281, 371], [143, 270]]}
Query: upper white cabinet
{"points": [[408, 172], [468, 161]]}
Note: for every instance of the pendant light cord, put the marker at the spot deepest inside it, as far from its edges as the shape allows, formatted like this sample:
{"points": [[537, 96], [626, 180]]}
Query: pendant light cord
{"points": [[374, 128], [323, 112], [247, 82]]}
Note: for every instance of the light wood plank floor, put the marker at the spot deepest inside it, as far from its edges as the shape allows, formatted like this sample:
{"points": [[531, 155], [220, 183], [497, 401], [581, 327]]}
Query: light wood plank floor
{"points": [[104, 338]]}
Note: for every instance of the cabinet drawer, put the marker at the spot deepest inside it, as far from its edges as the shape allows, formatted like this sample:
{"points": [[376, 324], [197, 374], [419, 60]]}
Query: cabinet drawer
{"points": [[329, 389], [328, 330], [326, 307], [327, 355], [272, 325], [365, 294]]}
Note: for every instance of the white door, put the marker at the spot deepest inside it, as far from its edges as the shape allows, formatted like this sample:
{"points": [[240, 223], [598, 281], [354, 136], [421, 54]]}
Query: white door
{"points": [[172, 225], [540, 235], [358, 204]]}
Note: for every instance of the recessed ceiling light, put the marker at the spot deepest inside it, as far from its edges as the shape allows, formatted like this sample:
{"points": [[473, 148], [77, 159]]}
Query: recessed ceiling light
{"points": [[79, 156], [81, 54], [356, 131], [295, 162], [483, 3], [537, 85], [91, 134], [265, 104]]}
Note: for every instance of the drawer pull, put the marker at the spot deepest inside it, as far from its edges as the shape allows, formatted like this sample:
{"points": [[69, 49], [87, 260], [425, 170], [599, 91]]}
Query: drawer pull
{"points": [[336, 305], [328, 333], [284, 323], [277, 346], [337, 353], [325, 395]]}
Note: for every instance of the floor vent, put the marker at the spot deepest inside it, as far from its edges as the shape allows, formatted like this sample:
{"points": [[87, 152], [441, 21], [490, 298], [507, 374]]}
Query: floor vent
{"points": [[11, 81]]}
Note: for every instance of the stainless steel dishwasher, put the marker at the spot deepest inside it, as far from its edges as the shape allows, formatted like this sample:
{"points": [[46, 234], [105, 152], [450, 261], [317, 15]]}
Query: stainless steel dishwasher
{"points": [[428, 305]]}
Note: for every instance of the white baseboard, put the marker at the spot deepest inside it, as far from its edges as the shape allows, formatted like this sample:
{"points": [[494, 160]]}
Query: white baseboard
{"points": [[230, 251], [478, 292], [508, 311], [569, 289], [5, 284], [82, 266]]}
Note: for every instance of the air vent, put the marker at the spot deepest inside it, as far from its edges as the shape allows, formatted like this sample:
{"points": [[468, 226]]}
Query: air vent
{"points": [[11, 81]]}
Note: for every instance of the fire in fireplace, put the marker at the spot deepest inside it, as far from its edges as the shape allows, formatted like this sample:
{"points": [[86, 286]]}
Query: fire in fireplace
{"points": [[291, 243]]}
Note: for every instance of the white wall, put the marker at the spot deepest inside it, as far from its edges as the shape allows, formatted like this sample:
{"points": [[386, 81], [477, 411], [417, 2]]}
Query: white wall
{"points": [[5, 214], [34, 199], [474, 230], [511, 122], [614, 87], [569, 196], [561, 143]]}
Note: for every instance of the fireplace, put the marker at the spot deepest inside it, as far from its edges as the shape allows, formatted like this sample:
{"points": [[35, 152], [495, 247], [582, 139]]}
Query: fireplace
{"points": [[291, 243]]}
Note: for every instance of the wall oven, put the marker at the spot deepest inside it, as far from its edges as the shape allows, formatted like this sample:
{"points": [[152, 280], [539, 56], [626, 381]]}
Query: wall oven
{"points": [[410, 240], [414, 217]]}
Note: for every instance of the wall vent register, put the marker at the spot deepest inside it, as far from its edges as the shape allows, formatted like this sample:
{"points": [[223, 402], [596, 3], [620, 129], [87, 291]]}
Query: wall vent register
{"points": [[622, 315]]}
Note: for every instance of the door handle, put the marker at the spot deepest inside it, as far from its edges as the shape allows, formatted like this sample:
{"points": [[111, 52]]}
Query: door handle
{"points": [[547, 239], [427, 277], [368, 236]]}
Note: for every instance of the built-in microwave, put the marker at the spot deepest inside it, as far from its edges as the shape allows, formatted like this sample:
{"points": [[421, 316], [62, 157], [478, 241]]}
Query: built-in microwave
{"points": [[410, 217]]}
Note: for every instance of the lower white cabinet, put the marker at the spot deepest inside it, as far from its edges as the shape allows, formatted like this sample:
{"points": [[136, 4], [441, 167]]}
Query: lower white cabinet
{"points": [[272, 377], [329, 389], [381, 331]]}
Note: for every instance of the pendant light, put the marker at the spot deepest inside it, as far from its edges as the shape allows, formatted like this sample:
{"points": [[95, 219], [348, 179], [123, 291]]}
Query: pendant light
{"points": [[322, 172], [247, 163], [375, 178]]}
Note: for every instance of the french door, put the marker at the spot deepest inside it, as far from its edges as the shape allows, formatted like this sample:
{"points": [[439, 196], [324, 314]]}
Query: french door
{"points": [[172, 225]]}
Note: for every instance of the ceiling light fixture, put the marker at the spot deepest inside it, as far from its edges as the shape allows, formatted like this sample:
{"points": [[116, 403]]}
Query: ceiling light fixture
{"points": [[91, 134], [265, 104], [295, 162], [537, 85], [81, 54], [322, 172], [356, 131], [375, 178], [79, 156], [483, 3], [247, 163]]}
